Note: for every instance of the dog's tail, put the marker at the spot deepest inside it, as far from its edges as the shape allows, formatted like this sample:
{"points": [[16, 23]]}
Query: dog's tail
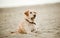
{"points": [[12, 32]]}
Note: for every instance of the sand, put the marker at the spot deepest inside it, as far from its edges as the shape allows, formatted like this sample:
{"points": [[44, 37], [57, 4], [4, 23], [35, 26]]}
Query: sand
{"points": [[47, 20]]}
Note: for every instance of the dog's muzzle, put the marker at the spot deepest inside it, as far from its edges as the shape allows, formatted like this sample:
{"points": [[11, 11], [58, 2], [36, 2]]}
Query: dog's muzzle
{"points": [[33, 17]]}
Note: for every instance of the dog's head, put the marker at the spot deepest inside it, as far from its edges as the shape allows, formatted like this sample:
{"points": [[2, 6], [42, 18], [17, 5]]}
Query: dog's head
{"points": [[30, 14]]}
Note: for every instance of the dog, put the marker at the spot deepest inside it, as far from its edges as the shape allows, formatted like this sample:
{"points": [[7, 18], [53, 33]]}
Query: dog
{"points": [[28, 25]]}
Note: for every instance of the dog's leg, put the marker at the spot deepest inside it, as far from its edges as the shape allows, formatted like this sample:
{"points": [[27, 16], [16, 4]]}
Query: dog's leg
{"points": [[21, 30], [34, 29]]}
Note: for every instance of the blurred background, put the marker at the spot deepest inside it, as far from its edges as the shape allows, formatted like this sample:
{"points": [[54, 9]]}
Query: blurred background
{"points": [[15, 3], [47, 20]]}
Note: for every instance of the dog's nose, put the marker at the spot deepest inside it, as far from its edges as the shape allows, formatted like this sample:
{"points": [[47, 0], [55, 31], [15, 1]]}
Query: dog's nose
{"points": [[34, 15]]}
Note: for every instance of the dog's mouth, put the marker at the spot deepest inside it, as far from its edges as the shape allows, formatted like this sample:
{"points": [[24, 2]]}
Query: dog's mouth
{"points": [[32, 18]]}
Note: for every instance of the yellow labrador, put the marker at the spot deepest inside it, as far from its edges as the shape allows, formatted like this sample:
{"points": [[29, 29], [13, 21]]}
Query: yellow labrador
{"points": [[28, 25]]}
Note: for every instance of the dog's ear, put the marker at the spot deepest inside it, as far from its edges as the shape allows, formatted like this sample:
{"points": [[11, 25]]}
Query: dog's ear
{"points": [[26, 13]]}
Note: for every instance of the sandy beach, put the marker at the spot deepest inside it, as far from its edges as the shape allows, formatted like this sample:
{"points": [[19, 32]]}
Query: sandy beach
{"points": [[47, 20]]}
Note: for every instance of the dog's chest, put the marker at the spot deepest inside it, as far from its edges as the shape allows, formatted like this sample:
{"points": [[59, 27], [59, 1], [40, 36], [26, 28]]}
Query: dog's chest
{"points": [[28, 26]]}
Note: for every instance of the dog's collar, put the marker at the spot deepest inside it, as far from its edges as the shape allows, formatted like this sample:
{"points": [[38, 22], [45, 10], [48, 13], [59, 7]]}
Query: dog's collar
{"points": [[30, 22]]}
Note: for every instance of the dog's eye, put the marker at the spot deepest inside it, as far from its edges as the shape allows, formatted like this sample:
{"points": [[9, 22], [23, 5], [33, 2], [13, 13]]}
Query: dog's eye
{"points": [[30, 12]]}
